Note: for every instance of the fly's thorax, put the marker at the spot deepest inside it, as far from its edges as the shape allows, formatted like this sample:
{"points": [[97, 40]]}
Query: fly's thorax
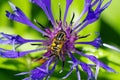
{"points": [[60, 36]]}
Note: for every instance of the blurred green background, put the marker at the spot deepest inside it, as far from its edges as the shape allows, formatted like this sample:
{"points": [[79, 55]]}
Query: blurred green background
{"points": [[108, 25]]}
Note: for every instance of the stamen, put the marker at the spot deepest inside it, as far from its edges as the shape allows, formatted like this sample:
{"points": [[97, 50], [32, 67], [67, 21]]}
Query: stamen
{"points": [[39, 24], [36, 44], [17, 46], [71, 22], [82, 25], [59, 12], [79, 25], [84, 36]]}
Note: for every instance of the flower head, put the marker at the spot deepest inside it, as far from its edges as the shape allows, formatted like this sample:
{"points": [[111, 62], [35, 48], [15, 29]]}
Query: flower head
{"points": [[60, 40]]}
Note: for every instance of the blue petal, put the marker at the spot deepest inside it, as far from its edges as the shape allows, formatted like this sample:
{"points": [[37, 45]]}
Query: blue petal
{"points": [[68, 3], [97, 62], [92, 15], [86, 6], [28, 78], [96, 42], [84, 66], [46, 6], [105, 6], [19, 16], [87, 69], [95, 2], [8, 39], [41, 72], [15, 54], [37, 74]]}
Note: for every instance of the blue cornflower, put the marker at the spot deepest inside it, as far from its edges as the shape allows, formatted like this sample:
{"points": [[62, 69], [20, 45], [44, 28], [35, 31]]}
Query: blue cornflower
{"points": [[60, 41]]}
